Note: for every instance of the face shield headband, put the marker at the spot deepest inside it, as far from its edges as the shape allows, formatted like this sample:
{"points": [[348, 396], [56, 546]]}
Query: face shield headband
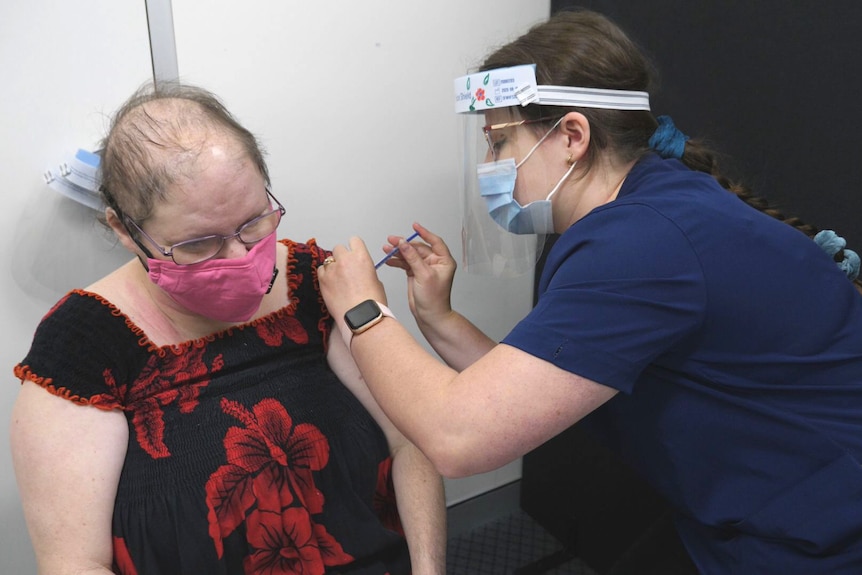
{"points": [[516, 86], [488, 249]]}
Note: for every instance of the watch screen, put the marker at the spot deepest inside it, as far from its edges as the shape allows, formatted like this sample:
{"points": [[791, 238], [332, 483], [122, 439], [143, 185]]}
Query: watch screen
{"points": [[362, 314]]}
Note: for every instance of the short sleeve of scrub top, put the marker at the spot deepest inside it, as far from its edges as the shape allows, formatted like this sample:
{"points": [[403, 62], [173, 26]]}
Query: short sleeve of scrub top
{"points": [[620, 287]]}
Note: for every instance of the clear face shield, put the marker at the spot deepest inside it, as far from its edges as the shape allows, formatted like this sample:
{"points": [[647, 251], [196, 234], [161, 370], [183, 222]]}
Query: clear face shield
{"points": [[499, 236], [487, 248]]}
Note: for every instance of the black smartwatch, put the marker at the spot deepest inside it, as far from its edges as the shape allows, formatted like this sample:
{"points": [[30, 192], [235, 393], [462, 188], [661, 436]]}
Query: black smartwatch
{"points": [[365, 316]]}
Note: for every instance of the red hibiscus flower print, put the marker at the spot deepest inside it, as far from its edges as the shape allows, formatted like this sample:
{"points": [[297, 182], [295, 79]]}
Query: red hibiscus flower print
{"points": [[289, 542], [56, 306], [480, 94], [165, 380], [122, 559], [274, 332], [269, 467], [282, 542], [229, 494], [115, 397], [330, 549], [384, 501]]}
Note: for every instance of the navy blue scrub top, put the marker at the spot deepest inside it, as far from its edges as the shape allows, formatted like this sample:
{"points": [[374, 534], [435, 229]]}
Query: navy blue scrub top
{"points": [[737, 345]]}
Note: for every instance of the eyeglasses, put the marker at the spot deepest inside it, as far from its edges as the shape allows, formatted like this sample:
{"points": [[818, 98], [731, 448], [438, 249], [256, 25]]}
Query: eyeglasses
{"points": [[494, 146], [198, 250]]}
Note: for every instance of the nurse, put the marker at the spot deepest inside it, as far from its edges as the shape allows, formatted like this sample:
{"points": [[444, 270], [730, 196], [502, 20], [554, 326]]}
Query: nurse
{"points": [[718, 349]]}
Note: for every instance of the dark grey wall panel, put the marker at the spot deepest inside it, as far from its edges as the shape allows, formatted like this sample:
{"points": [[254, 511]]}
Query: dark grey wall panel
{"points": [[774, 84]]}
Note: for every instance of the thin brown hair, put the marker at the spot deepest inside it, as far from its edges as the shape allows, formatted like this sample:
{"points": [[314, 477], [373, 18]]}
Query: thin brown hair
{"points": [[154, 138]]}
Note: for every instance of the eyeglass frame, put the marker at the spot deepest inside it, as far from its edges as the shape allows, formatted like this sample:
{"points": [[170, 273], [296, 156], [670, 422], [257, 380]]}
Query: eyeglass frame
{"points": [[169, 252], [487, 129]]}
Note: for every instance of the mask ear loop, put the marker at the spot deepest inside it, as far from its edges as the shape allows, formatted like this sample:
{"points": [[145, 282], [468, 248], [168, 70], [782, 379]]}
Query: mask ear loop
{"points": [[563, 179], [539, 143]]}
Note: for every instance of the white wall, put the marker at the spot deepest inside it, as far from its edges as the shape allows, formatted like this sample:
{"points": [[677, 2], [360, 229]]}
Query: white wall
{"points": [[352, 99], [65, 66], [354, 102]]}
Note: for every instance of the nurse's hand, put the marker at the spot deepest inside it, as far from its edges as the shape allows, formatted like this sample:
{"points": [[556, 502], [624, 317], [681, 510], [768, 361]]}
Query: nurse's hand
{"points": [[348, 278], [430, 271]]}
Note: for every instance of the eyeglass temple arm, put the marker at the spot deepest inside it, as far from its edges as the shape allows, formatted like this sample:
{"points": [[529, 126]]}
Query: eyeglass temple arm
{"points": [[132, 234]]}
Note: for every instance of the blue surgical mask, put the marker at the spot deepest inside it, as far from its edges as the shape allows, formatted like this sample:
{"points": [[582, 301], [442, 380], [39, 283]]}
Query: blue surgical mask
{"points": [[497, 187]]}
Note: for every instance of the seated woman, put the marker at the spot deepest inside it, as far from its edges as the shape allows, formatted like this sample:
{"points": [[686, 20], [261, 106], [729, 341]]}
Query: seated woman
{"points": [[195, 420]]}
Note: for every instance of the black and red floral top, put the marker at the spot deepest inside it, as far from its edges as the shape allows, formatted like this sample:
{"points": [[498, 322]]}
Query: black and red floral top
{"points": [[246, 454]]}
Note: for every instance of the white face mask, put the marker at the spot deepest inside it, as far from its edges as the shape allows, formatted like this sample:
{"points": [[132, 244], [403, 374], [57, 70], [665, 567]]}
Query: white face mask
{"points": [[497, 187]]}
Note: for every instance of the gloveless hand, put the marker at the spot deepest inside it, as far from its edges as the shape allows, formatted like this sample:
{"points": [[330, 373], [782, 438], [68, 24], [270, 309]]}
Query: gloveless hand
{"points": [[430, 271], [347, 278]]}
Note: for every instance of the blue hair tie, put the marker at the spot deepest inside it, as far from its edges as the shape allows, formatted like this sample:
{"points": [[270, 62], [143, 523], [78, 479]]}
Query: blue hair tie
{"points": [[667, 140], [832, 243], [851, 264]]}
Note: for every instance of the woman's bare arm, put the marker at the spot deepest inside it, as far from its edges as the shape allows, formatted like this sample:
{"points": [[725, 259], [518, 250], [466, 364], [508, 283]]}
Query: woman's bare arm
{"points": [[418, 486], [67, 460]]}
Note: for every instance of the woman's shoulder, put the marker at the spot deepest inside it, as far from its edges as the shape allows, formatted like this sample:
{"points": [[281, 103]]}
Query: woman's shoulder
{"points": [[122, 292], [84, 318], [79, 305], [103, 312], [78, 340]]}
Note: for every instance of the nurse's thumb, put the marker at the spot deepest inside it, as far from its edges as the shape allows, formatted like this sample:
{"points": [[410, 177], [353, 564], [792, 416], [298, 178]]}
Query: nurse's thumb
{"points": [[410, 254]]}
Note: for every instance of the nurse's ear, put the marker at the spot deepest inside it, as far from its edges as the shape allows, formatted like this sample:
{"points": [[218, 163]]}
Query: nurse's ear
{"points": [[576, 128]]}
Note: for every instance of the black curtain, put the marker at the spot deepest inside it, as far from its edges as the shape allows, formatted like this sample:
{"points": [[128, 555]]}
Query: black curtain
{"points": [[772, 84]]}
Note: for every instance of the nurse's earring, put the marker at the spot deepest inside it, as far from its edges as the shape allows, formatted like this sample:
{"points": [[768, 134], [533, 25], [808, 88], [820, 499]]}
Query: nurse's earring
{"points": [[570, 160]]}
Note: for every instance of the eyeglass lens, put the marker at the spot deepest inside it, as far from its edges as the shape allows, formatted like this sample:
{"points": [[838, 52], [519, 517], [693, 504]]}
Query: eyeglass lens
{"points": [[200, 249], [496, 143], [487, 133]]}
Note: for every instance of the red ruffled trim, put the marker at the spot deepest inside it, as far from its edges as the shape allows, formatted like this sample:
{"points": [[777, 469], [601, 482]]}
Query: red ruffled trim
{"points": [[108, 402], [292, 278], [103, 400], [143, 340], [293, 281], [324, 325]]}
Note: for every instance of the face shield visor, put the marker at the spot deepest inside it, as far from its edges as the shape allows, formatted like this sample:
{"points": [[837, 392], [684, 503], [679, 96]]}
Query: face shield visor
{"points": [[496, 140], [487, 248]]}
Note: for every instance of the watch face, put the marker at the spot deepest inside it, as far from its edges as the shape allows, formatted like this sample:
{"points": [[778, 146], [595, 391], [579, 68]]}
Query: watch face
{"points": [[362, 314]]}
